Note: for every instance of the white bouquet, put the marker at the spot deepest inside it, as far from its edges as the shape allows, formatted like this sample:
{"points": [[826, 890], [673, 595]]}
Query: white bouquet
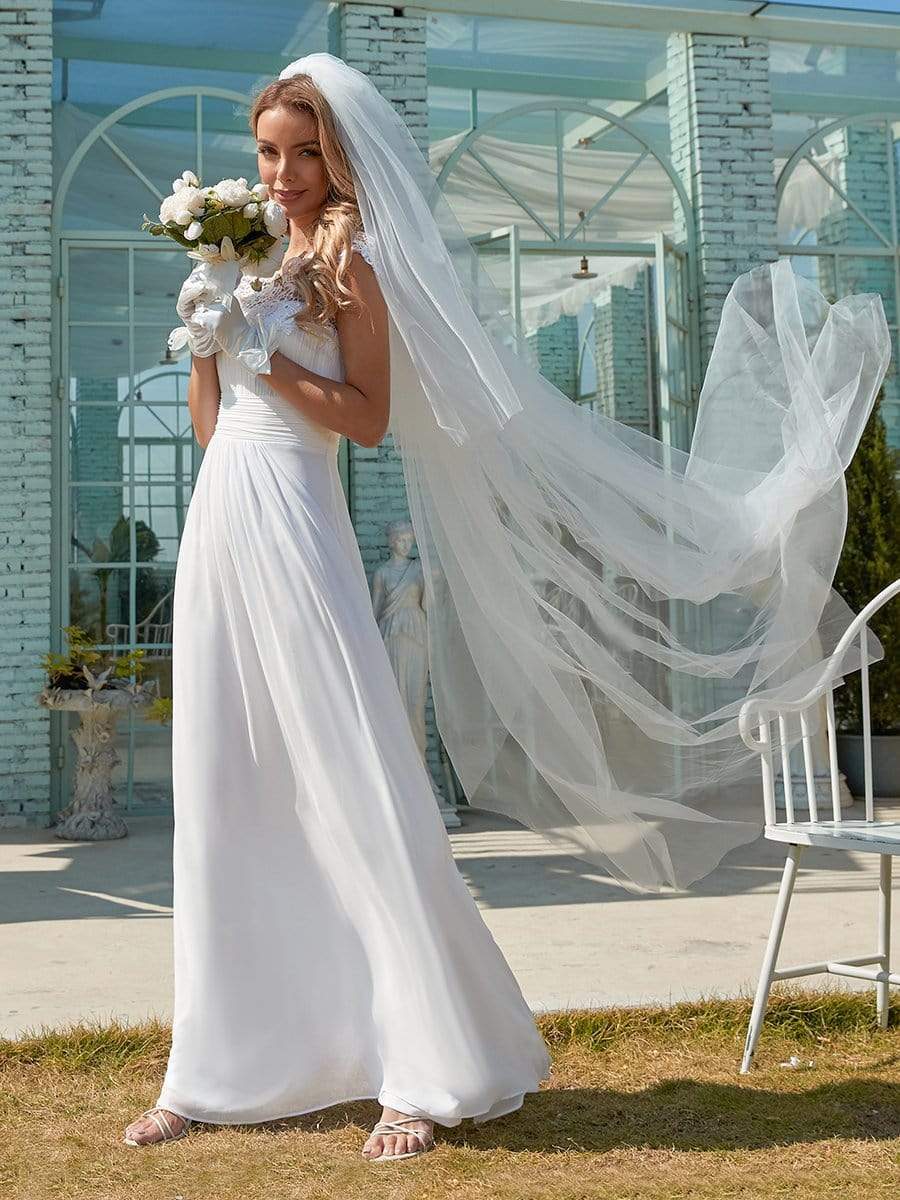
{"points": [[227, 228], [224, 223]]}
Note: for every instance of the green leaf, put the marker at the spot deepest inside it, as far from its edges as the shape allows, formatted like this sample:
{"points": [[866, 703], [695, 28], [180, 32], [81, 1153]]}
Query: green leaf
{"points": [[230, 223]]}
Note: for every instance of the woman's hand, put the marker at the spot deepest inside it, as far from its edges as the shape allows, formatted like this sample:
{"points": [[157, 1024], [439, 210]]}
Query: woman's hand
{"points": [[209, 286], [251, 342]]}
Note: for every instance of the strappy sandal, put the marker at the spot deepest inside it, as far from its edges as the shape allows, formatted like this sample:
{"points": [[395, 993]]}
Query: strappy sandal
{"points": [[162, 1124], [397, 1127]]}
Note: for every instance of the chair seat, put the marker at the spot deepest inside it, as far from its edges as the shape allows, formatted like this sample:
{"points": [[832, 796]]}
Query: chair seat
{"points": [[880, 837]]}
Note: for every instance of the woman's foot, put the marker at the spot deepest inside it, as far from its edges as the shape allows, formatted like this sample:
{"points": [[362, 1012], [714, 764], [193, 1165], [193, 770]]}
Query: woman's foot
{"points": [[414, 1136], [156, 1125]]}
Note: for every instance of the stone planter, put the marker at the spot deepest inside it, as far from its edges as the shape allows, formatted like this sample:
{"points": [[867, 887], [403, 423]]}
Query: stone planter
{"points": [[885, 763], [92, 815]]}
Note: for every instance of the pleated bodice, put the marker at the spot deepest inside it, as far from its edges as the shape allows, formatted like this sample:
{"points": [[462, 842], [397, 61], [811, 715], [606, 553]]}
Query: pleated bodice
{"points": [[249, 407]]}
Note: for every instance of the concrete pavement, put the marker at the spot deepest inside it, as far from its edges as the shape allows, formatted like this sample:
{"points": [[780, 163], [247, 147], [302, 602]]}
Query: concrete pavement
{"points": [[85, 928]]}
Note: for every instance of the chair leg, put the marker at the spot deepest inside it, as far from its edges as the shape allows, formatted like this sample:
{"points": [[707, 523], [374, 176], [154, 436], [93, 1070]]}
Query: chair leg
{"points": [[882, 988], [771, 956]]}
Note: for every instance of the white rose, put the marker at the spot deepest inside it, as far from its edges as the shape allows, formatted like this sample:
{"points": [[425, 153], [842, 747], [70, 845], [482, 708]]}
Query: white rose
{"points": [[233, 193], [250, 210], [167, 210], [275, 218], [187, 179], [192, 199], [193, 230], [260, 190]]}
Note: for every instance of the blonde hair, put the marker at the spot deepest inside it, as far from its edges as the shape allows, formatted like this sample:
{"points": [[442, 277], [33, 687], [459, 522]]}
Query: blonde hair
{"points": [[317, 277]]}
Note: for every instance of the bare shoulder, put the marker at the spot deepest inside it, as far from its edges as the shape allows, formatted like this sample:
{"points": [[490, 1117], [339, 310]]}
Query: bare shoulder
{"points": [[363, 283]]}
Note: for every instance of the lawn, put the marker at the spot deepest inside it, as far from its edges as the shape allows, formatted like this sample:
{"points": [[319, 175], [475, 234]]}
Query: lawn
{"points": [[643, 1103]]}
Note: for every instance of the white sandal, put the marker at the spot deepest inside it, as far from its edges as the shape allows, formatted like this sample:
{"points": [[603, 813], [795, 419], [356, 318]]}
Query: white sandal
{"points": [[162, 1124], [396, 1126]]}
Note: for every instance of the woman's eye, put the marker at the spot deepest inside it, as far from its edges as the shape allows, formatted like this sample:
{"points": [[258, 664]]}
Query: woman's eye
{"points": [[268, 150]]}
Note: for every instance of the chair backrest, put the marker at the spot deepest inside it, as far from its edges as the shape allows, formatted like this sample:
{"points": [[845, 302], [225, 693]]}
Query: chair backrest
{"points": [[759, 714]]}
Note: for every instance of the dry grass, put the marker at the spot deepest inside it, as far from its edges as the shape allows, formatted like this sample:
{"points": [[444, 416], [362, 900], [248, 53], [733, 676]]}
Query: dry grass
{"points": [[642, 1103]]}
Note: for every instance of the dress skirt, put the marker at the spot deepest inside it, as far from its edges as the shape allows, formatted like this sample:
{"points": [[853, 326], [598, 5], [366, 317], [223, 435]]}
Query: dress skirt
{"points": [[326, 947]]}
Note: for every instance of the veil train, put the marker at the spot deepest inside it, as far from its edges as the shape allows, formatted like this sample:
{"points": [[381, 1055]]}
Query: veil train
{"points": [[600, 605]]}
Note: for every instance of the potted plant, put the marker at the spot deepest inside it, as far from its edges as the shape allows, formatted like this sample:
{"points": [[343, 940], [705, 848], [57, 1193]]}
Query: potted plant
{"points": [[99, 687], [870, 560]]}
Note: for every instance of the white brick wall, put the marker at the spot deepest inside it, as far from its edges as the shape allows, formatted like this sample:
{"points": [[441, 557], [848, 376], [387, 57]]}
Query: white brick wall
{"points": [[25, 408], [620, 346], [863, 175], [388, 44], [556, 346], [720, 128]]}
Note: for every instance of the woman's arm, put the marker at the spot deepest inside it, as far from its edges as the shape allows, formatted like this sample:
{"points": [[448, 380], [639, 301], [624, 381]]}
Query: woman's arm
{"points": [[359, 407], [204, 396]]}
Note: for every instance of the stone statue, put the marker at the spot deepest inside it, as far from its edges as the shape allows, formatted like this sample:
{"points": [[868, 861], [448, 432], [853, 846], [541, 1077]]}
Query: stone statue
{"points": [[398, 601]]}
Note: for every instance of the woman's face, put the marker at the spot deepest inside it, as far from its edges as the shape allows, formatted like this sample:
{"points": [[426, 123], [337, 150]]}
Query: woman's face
{"points": [[290, 162]]}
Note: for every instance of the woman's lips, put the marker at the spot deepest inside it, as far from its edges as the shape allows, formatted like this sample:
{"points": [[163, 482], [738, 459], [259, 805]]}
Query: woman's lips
{"points": [[288, 195]]}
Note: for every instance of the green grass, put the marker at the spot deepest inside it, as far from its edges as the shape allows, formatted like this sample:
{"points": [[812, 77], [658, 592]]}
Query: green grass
{"points": [[642, 1104]]}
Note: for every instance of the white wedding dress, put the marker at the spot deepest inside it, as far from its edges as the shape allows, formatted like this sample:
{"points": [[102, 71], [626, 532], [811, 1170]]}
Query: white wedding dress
{"points": [[326, 947]]}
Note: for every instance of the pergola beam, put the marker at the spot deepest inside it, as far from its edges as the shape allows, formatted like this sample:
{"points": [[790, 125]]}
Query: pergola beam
{"points": [[778, 22], [604, 85], [160, 54]]}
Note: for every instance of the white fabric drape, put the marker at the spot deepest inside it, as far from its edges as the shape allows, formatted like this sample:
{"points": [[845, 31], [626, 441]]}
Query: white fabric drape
{"points": [[588, 585]]}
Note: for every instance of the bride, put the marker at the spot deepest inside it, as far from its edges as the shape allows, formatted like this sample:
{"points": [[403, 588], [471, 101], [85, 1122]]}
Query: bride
{"points": [[326, 945], [600, 606]]}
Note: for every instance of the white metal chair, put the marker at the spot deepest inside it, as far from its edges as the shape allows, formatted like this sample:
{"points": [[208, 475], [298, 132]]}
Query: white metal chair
{"points": [[877, 837], [155, 630]]}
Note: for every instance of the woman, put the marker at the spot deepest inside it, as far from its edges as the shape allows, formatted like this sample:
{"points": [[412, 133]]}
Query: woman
{"points": [[586, 585], [326, 946]]}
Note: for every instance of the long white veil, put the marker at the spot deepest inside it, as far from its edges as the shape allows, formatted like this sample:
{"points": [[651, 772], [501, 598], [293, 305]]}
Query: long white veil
{"points": [[600, 605]]}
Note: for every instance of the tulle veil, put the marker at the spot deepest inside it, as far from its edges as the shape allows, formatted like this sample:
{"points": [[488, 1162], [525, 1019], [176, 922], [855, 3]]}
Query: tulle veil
{"points": [[599, 605]]}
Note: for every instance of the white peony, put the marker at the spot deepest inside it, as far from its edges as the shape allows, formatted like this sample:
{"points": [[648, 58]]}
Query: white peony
{"points": [[233, 193], [274, 218], [193, 230]]}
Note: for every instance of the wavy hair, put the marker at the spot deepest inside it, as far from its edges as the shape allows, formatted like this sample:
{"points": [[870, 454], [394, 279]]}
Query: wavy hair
{"points": [[317, 277]]}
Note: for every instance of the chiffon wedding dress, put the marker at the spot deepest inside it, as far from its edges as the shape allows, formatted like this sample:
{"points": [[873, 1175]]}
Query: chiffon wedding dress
{"points": [[326, 947]]}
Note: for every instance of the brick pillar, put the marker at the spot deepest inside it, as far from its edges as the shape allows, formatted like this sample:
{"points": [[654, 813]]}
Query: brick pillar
{"points": [[620, 346], [864, 164], [556, 347], [720, 121], [25, 409], [387, 43]]}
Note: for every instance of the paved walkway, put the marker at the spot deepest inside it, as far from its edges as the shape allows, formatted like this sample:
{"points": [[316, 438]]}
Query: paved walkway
{"points": [[86, 927]]}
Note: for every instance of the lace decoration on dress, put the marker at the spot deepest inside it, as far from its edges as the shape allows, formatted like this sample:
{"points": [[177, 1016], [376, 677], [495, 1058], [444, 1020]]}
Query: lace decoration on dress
{"points": [[363, 243], [274, 301]]}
